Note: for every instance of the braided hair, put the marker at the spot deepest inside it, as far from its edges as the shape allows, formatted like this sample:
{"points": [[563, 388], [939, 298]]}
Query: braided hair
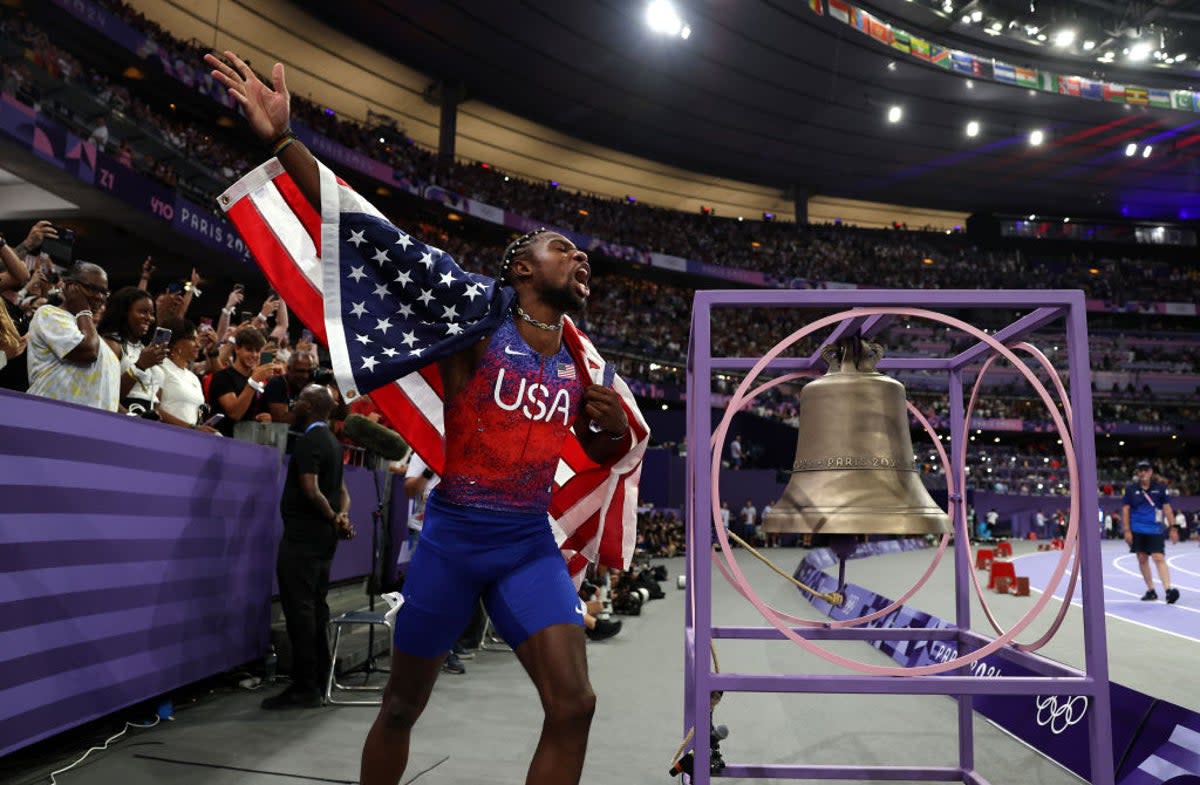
{"points": [[515, 249]]}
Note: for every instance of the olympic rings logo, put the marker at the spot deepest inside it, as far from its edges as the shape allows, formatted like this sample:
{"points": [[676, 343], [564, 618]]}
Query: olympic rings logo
{"points": [[1060, 717]]}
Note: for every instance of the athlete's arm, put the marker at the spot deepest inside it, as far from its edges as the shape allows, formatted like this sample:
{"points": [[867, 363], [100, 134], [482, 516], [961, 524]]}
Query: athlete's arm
{"points": [[602, 406], [457, 369]]}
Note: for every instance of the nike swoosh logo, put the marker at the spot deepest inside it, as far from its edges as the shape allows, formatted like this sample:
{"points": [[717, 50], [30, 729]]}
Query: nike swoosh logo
{"points": [[509, 350]]}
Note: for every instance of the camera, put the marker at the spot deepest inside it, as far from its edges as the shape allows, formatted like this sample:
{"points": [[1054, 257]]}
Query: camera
{"points": [[60, 249]]}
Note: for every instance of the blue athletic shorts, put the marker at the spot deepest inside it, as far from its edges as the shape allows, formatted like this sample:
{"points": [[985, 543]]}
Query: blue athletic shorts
{"points": [[509, 559]]}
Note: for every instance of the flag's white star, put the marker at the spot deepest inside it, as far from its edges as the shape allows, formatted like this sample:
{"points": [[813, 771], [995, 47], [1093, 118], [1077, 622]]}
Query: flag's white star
{"points": [[364, 340], [357, 273], [403, 278], [409, 338], [426, 296], [357, 238], [381, 290], [427, 260], [405, 311], [403, 241], [383, 325], [417, 352], [454, 328], [369, 364], [390, 352], [450, 312], [473, 291], [381, 256], [359, 309], [446, 279]]}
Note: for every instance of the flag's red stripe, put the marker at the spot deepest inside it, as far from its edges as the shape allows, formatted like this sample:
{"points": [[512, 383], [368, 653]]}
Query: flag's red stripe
{"points": [[434, 379], [279, 267], [307, 214], [584, 534], [612, 537], [421, 435]]}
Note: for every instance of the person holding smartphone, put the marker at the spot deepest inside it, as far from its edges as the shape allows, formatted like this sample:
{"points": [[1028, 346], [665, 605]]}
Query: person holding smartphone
{"points": [[235, 391], [182, 395], [125, 327]]}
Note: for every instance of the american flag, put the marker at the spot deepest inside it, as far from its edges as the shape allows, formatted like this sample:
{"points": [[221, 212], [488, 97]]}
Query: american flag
{"points": [[387, 306]]}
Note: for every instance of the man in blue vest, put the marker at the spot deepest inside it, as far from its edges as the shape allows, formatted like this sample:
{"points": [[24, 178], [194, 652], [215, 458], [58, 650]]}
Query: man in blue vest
{"points": [[1145, 515]]}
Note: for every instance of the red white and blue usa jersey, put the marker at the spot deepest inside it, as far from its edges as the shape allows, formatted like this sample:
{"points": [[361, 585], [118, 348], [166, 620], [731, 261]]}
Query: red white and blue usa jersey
{"points": [[505, 430]]}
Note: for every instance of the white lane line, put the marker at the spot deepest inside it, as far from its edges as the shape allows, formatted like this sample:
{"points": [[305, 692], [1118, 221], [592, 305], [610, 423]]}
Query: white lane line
{"points": [[1152, 568], [1174, 566], [1118, 617]]}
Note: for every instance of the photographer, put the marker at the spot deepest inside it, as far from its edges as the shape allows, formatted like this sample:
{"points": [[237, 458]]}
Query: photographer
{"points": [[282, 392], [67, 359]]}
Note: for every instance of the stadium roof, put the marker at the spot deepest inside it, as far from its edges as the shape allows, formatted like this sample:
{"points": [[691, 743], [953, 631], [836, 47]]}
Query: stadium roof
{"points": [[770, 92]]}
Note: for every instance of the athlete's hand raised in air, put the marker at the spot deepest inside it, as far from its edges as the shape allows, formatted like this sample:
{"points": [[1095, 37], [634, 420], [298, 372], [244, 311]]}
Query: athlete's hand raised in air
{"points": [[268, 110]]}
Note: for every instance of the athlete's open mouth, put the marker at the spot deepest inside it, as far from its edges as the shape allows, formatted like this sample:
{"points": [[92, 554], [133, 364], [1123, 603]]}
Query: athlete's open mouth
{"points": [[583, 274]]}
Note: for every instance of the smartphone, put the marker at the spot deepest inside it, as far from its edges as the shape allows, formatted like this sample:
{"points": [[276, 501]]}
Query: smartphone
{"points": [[61, 249], [247, 317], [206, 321], [266, 357], [306, 335], [161, 336], [213, 421], [237, 287]]}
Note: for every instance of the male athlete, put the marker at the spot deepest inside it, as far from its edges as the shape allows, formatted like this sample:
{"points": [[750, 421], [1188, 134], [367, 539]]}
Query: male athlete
{"points": [[511, 399]]}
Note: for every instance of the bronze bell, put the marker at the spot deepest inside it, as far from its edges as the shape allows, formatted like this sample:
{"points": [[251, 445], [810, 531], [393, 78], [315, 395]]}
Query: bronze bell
{"points": [[854, 471]]}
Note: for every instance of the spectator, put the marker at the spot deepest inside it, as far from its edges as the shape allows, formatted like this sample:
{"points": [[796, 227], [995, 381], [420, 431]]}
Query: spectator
{"points": [[235, 391], [749, 517], [736, 456], [99, 135], [12, 343], [182, 395], [15, 274], [282, 392], [126, 322], [67, 359]]}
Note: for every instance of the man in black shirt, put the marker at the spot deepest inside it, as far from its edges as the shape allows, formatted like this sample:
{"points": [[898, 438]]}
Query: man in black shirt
{"points": [[234, 392], [316, 511], [282, 391]]}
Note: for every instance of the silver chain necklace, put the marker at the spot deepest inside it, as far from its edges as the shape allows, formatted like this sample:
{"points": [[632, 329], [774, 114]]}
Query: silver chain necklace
{"points": [[540, 325]]}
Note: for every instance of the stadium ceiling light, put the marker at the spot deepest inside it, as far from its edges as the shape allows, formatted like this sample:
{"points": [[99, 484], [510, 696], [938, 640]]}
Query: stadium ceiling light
{"points": [[894, 114], [966, 20], [973, 129], [1041, 36], [1139, 51], [1064, 38], [662, 17], [977, 15], [997, 26], [1036, 137], [1089, 46], [1130, 149], [1147, 150], [685, 33], [1180, 58]]}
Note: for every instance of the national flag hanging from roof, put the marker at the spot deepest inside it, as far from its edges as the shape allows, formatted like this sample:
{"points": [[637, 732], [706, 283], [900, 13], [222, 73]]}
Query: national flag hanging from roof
{"points": [[815, 5], [1160, 98], [900, 41], [861, 20], [1114, 93], [1138, 96], [919, 47], [1004, 72], [1069, 85], [939, 56], [388, 306], [1091, 89], [1027, 77], [1182, 99], [840, 10], [880, 31]]}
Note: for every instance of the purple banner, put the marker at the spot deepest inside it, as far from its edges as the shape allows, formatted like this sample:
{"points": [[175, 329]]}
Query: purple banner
{"points": [[134, 558], [134, 189], [205, 226]]}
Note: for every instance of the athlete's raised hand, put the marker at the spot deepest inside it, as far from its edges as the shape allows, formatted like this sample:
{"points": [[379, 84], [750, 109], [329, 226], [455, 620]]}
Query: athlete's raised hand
{"points": [[268, 109]]}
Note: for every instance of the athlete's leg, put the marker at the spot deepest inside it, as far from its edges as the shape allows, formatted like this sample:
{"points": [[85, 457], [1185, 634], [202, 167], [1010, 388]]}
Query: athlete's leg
{"points": [[385, 753], [556, 660]]}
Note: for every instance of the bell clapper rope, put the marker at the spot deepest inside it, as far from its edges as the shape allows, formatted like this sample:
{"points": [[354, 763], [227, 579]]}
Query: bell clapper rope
{"points": [[833, 597]]}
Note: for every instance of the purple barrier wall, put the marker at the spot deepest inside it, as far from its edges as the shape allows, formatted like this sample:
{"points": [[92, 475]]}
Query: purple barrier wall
{"points": [[134, 558]]}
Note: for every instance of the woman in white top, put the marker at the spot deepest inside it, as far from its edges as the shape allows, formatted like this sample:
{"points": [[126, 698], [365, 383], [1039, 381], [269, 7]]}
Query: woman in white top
{"points": [[182, 396], [126, 322]]}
